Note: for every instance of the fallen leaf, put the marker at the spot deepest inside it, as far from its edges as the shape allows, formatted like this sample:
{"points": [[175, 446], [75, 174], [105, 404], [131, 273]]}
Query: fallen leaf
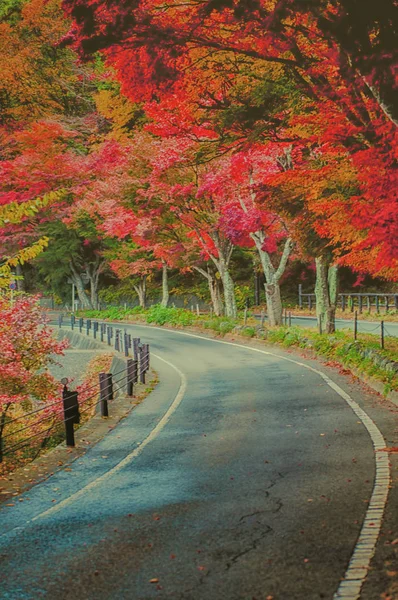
{"points": [[154, 580]]}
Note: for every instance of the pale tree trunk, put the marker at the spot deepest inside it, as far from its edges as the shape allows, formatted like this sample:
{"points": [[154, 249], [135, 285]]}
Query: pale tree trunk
{"points": [[140, 288], [20, 282], [272, 274], [77, 280], [165, 286], [225, 249], [94, 271], [272, 277], [214, 288], [326, 291]]}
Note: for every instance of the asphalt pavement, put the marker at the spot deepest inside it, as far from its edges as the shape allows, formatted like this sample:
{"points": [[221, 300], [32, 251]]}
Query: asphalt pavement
{"points": [[243, 476]]}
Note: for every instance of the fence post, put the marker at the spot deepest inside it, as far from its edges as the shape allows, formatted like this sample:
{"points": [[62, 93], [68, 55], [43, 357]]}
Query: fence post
{"points": [[360, 304], [95, 329], [262, 318], [108, 333], [309, 301], [343, 302], [60, 317], [106, 392], [387, 305], [88, 326], [197, 310], [126, 344], [396, 301], [142, 369], [71, 414], [80, 324], [368, 303], [136, 342], [300, 290], [72, 321], [117, 341], [382, 334], [355, 324], [377, 303], [102, 331], [131, 376], [290, 319]]}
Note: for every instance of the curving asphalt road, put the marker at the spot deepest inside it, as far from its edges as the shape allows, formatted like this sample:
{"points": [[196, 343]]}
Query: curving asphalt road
{"points": [[243, 476]]}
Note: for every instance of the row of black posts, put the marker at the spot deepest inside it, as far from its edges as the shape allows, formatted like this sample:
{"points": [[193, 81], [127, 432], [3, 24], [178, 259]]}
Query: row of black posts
{"points": [[136, 369]]}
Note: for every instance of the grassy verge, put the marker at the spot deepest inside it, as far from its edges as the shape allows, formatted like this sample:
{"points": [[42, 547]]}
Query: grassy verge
{"points": [[339, 349]]}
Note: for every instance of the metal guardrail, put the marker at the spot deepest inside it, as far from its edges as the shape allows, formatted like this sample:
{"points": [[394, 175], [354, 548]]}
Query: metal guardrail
{"points": [[73, 403]]}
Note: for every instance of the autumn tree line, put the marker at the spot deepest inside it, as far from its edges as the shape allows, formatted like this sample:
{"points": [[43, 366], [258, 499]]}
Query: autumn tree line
{"points": [[143, 138]]}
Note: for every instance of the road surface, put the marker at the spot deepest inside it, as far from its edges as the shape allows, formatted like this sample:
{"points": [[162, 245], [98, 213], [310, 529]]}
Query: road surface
{"points": [[243, 476]]}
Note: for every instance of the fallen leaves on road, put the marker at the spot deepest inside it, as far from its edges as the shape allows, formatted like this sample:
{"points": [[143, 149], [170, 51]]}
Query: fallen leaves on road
{"points": [[154, 580]]}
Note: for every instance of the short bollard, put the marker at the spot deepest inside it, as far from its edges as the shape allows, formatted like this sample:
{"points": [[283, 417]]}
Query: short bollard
{"points": [[132, 378], [102, 331], [88, 326], [71, 413], [106, 392], [130, 340], [109, 336], [142, 363], [60, 318], [146, 346], [80, 324], [95, 329], [126, 344], [72, 321], [117, 340]]}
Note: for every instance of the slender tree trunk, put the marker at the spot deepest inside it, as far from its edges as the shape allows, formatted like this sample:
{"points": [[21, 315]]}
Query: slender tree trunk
{"points": [[272, 277], [215, 294], [77, 280], [326, 291], [221, 262], [165, 286], [214, 288], [140, 288], [229, 292], [20, 282], [2, 425]]}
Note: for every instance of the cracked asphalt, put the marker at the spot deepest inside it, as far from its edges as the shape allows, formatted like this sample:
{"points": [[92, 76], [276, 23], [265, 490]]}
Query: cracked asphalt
{"points": [[255, 488]]}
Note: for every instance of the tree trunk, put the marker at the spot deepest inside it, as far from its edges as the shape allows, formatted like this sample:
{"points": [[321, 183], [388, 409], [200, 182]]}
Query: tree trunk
{"points": [[229, 292], [214, 288], [165, 286], [274, 304], [140, 288], [83, 298], [20, 282], [215, 294], [326, 290], [272, 277]]}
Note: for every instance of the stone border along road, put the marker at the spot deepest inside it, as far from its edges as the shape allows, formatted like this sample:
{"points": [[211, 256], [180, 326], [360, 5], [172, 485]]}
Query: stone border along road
{"points": [[350, 587]]}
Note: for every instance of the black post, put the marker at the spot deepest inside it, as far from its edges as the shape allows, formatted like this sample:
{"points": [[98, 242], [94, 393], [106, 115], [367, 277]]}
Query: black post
{"points": [[300, 291], [343, 302], [102, 331], [136, 341], [396, 301], [80, 324], [377, 303], [108, 332], [126, 344], [130, 340], [387, 305], [72, 321], [131, 376], [106, 392], [60, 317], [88, 326], [117, 342], [142, 369], [71, 414], [360, 304], [382, 334], [355, 325], [95, 329]]}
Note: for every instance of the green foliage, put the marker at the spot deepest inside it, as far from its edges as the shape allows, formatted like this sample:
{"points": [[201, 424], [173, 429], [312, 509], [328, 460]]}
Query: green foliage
{"points": [[174, 316]]}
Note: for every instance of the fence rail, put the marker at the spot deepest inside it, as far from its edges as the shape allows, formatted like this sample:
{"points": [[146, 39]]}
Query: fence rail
{"points": [[67, 410], [355, 301]]}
